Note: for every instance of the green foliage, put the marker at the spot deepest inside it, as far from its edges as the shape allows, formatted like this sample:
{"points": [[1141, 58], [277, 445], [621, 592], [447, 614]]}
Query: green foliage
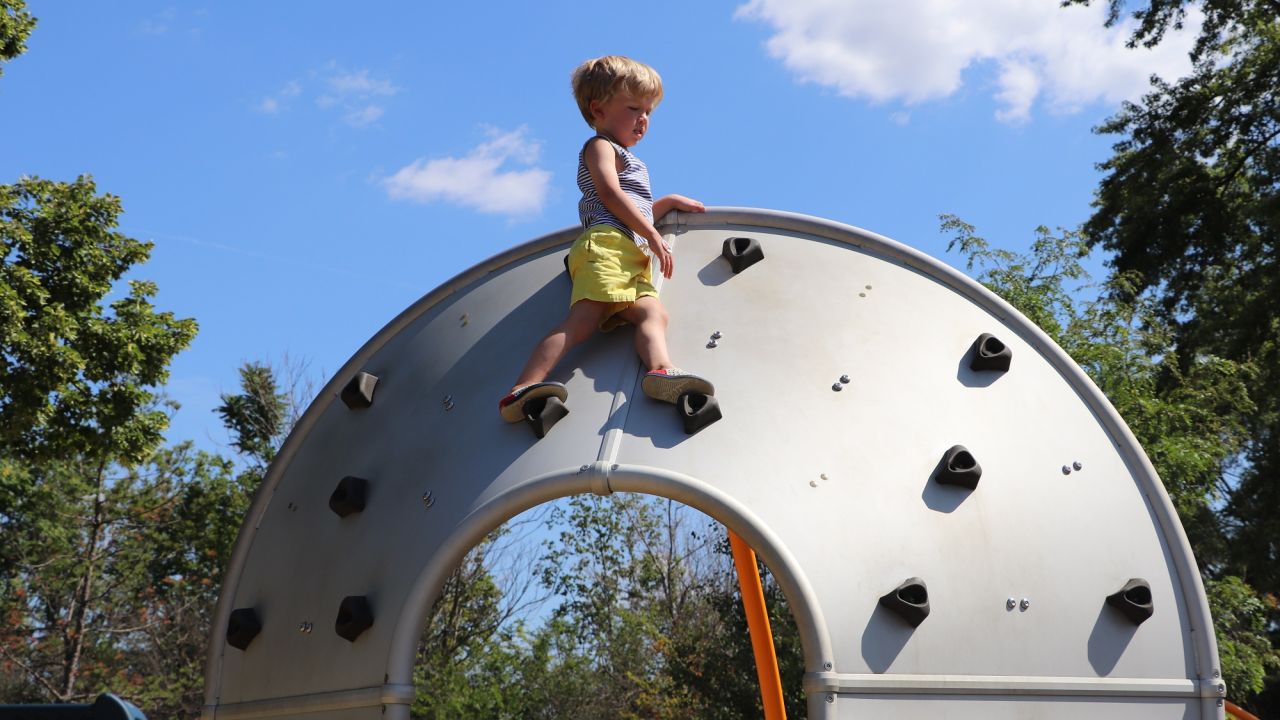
{"points": [[257, 416], [75, 379], [16, 25], [1240, 620]]}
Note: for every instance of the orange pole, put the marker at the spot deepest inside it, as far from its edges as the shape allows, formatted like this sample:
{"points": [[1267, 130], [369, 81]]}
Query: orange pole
{"points": [[744, 560], [1238, 712]]}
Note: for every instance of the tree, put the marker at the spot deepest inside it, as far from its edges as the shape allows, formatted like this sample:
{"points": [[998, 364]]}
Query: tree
{"points": [[1187, 412], [16, 25], [1190, 207]]}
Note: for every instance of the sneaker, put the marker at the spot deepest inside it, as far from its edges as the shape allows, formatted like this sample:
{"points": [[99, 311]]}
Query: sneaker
{"points": [[668, 384], [512, 406]]}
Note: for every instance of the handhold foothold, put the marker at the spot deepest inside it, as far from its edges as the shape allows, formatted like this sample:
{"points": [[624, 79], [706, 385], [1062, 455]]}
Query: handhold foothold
{"points": [[543, 413], [959, 467], [349, 496], [909, 601], [1133, 600], [242, 627], [742, 253], [358, 393], [697, 411], [989, 353], [354, 617]]}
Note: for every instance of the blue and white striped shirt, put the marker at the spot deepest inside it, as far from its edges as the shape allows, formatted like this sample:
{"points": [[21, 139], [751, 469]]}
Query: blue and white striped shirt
{"points": [[634, 181]]}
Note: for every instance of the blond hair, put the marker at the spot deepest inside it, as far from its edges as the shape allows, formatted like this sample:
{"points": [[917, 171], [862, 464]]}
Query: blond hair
{"points": [[600, 79]]}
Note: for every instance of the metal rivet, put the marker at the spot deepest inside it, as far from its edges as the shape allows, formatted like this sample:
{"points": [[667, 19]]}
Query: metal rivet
{"points": [[844, 379], [862, 294], [462, 321], [823, 476], [1077, 465], [813, 483], [305, 627], [1222, 689], [448, 403], [1024, 604], [1010, 604], [828, 666], [868, 287], [583, 468], [1217, 672], [1066, 469], [837, 387], [428, 499], [711, 344], [716, 335], [831, 697]]}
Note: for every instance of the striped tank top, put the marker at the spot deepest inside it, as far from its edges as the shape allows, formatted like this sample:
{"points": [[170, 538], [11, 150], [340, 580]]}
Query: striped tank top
{"points": [[634, 181]]}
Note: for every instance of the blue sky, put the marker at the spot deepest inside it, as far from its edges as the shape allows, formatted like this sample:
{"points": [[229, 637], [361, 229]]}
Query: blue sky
{"points": [[307, 171]]}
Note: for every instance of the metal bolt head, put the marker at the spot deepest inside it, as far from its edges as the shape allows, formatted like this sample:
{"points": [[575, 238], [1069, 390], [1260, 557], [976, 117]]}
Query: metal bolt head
{"points": [[1024, 604], [1010, 604], [1077, 465], [813, 483], [1217, 672], [831, 697], [305, 627], [1066, 469], [428, 499], [712, 344], [583, 468], [822, 475], [827, 666], [837, 387], [844, 379], [716, 335]]}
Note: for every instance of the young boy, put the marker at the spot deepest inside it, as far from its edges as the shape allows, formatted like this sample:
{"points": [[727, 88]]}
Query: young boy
{"points": [[610, 261]]}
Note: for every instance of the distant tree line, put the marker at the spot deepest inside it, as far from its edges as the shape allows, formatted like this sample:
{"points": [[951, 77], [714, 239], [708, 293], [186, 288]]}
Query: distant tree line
{"points": [[113, 542]]}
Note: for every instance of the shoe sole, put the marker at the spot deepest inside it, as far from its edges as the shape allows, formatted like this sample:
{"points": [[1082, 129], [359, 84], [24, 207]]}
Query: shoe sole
{"points": [[514, 412], [669, 389]]}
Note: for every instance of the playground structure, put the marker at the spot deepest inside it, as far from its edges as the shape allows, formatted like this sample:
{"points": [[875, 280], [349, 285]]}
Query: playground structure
{"points": [[956, 514]]}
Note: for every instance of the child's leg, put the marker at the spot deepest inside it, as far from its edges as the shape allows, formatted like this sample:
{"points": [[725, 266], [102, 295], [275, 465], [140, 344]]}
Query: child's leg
{"points": [[583, 320], [650, 319]]}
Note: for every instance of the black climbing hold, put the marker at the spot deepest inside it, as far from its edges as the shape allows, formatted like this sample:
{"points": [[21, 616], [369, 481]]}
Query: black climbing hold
{"points": [[242, 628], [354, 617], [909, 601], [988, 353], [359, 392], [566, 265], [742, 253], [958, 467], [349, 496], [697, 411], [543, 413], [1133, 600]]}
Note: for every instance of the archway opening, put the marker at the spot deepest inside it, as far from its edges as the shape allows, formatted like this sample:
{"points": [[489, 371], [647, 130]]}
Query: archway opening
{"points": [[623, 606]]}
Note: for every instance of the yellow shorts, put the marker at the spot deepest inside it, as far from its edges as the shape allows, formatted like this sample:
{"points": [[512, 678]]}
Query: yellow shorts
{"points": [[607, 266]]}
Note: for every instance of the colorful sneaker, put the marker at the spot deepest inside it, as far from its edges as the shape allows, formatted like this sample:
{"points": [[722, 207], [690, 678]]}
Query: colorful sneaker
{"points": [[512, 406], [668, 384]]}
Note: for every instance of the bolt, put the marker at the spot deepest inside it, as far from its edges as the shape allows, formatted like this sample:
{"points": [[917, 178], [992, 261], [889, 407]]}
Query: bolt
{"points": [[1010, 603], [1024, 604], [862, 294], [823, 476], [813, 483], [844, 379], [428, 499], [828, 666], [448, 403], [1217, 672], [1077, 465], [305, 627], [711, 344], [1066, 469], [716, 335], [462, 321], [837, 387], [1222, 689], [831, 697], [583, 468]]}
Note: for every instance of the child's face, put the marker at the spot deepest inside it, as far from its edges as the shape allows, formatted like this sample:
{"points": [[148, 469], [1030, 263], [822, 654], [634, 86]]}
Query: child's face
{"points": [[624, 117]]}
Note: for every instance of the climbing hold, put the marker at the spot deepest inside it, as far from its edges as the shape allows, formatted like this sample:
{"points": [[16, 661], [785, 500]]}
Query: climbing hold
{"points": [[349, 496], [242, 627], [543, 413], [359, 392], [742, 253], [958, 467], [909, 601], [988, 353], [354, 617], [566, 265], [697, 411], [1133, 600]]}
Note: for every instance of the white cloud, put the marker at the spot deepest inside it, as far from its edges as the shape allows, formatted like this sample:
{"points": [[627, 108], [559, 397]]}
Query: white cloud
{"points": [[363, 116], [353, 93], [912, 51], [273, 104], [482, 180]]}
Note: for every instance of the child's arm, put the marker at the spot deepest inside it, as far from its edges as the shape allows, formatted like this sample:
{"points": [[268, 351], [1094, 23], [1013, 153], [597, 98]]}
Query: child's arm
{"points": [[602, 162], [667, 203]]}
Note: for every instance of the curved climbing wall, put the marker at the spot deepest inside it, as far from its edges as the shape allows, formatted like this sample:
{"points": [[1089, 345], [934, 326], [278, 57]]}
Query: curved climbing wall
{"points": [[961, 522]]}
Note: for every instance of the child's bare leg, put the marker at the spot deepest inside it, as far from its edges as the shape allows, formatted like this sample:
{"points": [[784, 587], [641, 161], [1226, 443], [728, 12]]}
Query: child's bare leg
{"points": [[650, 319], [583, 320]]}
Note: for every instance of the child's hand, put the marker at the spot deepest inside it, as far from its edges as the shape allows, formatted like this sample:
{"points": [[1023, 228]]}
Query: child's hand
{"points": [[680, 202], [666, 263]]}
